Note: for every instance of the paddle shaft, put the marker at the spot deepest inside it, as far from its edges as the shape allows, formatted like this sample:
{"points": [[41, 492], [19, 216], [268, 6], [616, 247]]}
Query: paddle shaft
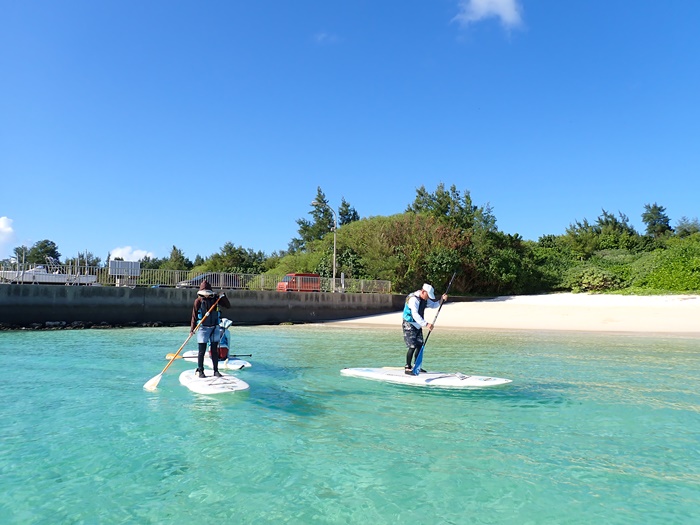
{"points": [[168, 356], [419, 357], [153, 383], [439, 308]]}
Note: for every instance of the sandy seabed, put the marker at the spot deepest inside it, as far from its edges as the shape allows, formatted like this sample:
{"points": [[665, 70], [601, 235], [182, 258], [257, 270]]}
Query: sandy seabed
{"points": [[665, 314]]}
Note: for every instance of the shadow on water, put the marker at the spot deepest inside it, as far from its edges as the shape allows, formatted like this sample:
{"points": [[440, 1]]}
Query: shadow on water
{"points": [[277, 388], [523, 395], [537, 395], [279, 398]]}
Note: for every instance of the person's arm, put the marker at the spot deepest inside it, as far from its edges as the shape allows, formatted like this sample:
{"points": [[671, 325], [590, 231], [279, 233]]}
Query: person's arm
{"points": [[195, 314], [224, 301], [413, 306], [435, 304]]}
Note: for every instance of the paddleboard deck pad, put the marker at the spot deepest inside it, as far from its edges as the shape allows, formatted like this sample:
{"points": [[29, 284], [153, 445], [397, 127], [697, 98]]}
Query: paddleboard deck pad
{"points": [[233, 363], [426, 379], [212, 384]]}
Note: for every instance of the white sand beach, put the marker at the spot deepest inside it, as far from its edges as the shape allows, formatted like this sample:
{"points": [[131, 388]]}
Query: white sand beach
{"points": [[668, 314]]}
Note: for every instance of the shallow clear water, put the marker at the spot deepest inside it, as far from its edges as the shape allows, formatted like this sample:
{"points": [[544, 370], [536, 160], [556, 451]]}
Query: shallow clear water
{"points": [[594, 429]]}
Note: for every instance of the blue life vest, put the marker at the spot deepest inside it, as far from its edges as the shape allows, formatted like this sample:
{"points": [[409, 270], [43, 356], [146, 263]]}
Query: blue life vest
{"points": [[407, 314]]}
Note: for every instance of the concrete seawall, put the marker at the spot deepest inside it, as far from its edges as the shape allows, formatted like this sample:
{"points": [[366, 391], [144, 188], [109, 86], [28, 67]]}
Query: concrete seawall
{"points": [[26, 305]]}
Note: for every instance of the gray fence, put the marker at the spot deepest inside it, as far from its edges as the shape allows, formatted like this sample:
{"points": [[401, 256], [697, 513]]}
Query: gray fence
{"points": [[72, 275]]}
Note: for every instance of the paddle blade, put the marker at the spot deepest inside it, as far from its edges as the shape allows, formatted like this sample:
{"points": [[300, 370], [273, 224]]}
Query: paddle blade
{"points": [[419, 361], [152, 383], [170, 356]]}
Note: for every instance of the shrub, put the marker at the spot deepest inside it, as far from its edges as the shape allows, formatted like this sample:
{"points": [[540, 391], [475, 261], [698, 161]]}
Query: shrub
{"points": [[676, 269], [593, 279]]}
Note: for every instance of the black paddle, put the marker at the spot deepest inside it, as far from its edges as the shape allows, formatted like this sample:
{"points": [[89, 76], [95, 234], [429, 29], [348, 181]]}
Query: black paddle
{"points": [[419, 357]]}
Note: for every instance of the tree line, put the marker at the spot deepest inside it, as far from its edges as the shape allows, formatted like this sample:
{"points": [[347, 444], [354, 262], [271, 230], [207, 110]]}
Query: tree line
{"points": [[442, 232]]}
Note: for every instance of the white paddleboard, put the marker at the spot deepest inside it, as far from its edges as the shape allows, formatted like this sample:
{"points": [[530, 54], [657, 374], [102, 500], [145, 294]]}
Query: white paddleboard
{"points": [[232, 363], [428, 379], [211, 384]]}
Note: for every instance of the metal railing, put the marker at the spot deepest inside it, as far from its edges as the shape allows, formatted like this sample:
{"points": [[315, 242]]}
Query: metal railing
{"points": [[72, 275]]}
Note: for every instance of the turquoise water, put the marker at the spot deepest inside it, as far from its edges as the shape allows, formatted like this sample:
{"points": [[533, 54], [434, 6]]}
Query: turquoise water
{"points": [[594, 429]]}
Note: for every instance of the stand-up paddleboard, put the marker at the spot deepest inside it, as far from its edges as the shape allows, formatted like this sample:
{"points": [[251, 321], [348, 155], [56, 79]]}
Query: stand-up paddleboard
{"points": [[212, 384], [232, 363], [428, 379]]}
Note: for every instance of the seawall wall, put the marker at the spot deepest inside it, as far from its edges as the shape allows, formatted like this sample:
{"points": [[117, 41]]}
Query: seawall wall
{"points": [[24, 305]]}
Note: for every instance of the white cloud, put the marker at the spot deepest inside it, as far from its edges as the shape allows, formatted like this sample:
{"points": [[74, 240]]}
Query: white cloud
{"points": [[508, 11], [325, 38], [7, 236], [129, 254]]}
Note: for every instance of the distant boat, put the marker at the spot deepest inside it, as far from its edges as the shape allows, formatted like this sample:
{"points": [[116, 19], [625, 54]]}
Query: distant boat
{"points": [[40, 275]]}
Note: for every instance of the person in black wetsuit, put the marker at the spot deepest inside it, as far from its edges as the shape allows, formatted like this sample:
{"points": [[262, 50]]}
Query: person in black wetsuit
{"points": [[209, 331]]}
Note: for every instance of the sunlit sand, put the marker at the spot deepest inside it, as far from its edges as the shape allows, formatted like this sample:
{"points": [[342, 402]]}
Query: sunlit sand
{"points": [[675, 314]]}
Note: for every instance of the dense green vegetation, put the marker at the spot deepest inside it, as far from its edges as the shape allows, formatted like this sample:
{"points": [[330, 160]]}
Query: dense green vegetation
{"points": [[443, 231]]}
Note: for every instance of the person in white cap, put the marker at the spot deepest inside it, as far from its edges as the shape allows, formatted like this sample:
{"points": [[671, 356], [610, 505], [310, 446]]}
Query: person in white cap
{"points": [[414, 322]]}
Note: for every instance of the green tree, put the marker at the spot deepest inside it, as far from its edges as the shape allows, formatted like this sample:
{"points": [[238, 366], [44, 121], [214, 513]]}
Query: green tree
{"points": [[608, 232], [367, 238], [674, 268], [83, 259], [176, 261], [348, 262], [464, 237], [615, 232], [553, 258], [346, 213], [149, 263], [20, 253], [424, 249], [322, 223], [687, 227], [235, 259], [582, 238], [38, 253], [453, 208], [657, 222]]}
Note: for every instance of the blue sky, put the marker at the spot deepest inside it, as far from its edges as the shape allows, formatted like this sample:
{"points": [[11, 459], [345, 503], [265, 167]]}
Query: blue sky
{"points": [[129, 127]]}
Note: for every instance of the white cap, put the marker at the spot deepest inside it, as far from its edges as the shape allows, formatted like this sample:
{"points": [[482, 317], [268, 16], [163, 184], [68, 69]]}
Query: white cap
{"points": [[430, 290]]}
